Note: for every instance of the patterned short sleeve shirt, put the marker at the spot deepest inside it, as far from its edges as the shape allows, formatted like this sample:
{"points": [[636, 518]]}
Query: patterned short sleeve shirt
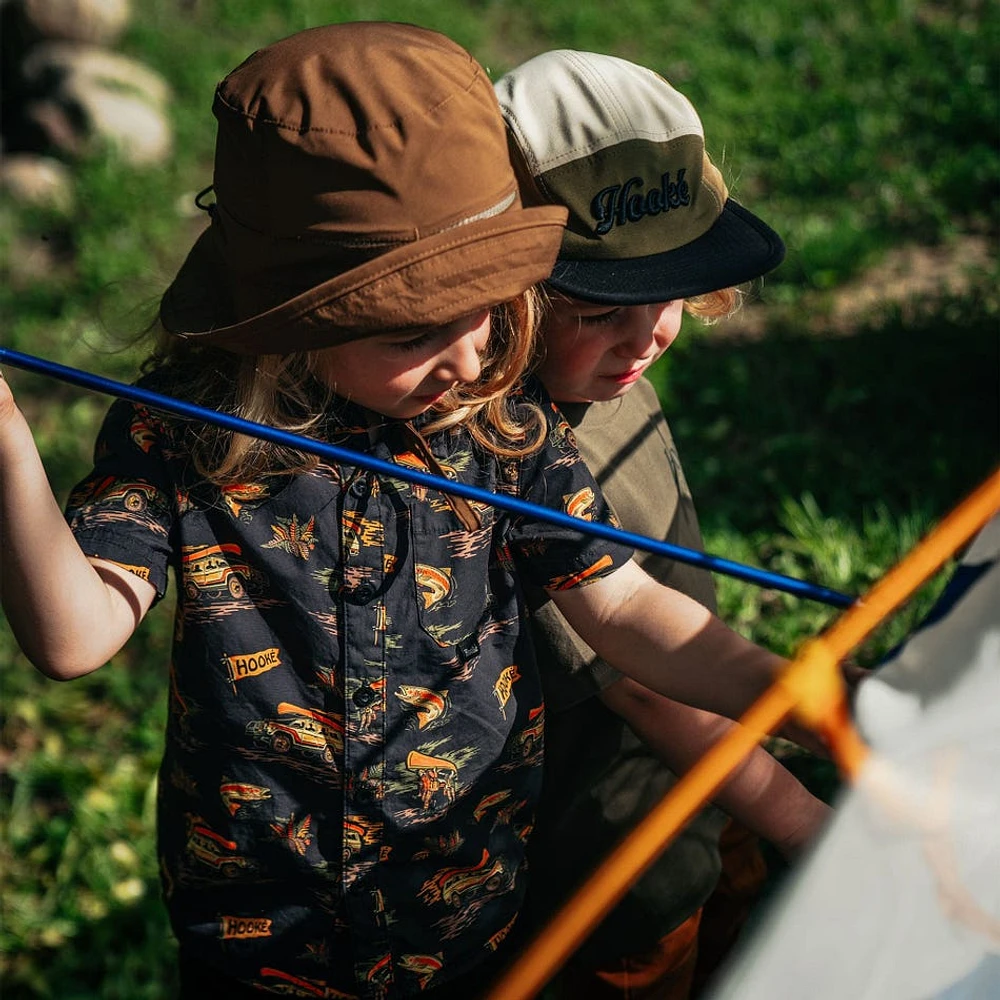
{"points": [[355, 715]]}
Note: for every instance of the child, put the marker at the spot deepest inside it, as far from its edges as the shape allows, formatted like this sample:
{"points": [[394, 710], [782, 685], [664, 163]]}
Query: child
{"points": [[352, 764], [650, 224]]}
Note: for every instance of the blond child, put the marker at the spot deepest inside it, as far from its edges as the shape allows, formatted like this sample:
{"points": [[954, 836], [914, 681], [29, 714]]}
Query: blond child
{"points": [[351, 766], [652, 234]]}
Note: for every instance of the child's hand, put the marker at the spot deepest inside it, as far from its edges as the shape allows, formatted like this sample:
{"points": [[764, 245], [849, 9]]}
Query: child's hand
{"points": [[7, 405], [811, 816], [803, 736]]}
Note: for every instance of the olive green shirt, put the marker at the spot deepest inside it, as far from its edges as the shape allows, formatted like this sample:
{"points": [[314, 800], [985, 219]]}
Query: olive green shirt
{"points": [[600, 779]]}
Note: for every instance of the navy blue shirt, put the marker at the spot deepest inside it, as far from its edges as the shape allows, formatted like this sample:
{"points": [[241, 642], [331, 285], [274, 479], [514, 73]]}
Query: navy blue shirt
{"points": [[355, 722]]}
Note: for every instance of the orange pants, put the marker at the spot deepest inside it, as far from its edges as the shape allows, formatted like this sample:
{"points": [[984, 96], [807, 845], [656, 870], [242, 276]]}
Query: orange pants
{"points": [[665, 972], [744, 872], [683, 960]]}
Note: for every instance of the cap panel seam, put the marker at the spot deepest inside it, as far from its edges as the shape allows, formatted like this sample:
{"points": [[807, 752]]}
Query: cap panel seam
{"points": [[579, 152]]}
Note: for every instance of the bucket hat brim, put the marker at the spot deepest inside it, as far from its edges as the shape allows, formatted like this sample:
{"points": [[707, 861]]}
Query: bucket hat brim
{"points": [[472, 267]]}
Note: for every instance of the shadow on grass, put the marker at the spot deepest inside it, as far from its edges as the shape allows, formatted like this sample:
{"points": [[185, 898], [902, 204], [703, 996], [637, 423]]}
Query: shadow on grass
{"points": [[905, 415]]}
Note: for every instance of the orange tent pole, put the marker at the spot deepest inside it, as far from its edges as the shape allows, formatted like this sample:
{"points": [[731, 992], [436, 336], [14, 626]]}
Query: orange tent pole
{"points": [[810, 685]]}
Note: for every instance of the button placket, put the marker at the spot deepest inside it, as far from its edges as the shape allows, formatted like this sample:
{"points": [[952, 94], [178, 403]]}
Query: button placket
{"points": [[363, 550]]}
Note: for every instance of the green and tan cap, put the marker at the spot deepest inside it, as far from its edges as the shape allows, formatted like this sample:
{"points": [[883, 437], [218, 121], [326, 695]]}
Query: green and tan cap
{"points": [[650, 217]]}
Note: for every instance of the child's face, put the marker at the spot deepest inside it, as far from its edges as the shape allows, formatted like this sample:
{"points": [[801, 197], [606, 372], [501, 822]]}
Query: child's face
{"points": [[403, 374], [598, 352]]}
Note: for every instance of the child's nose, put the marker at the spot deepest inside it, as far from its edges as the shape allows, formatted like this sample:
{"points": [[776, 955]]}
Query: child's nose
{"points": [[638, 333], [460, 361], [650, 328]]}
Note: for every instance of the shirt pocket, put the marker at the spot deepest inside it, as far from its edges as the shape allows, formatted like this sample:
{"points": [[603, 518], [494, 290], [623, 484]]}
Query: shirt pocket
{"points": [[450, 572], [262, 544]]}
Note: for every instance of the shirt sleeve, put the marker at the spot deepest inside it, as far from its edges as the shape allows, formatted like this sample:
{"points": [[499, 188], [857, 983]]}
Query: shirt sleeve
{"points": [[123, 511], [553, 556]]}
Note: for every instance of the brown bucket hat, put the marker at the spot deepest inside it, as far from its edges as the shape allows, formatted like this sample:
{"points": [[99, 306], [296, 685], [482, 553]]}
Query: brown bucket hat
{"points": [[362, 185]]}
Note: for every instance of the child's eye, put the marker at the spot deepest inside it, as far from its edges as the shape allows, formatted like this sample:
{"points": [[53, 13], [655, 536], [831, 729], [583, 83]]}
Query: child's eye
{"points": [[414, 343], [600, 319]]}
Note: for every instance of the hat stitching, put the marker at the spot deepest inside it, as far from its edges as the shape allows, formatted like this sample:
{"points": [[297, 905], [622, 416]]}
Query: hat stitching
{"points": [[613, 139], [318, 238], [290, 127], [316, 307], [315, 304], [306, 311], [429, 314], [599, 85], [396, 124], [391, 271], [347, 242]]}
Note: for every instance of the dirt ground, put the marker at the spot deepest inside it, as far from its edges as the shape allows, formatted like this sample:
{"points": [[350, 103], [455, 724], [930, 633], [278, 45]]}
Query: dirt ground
{"points": [[909, 278]]}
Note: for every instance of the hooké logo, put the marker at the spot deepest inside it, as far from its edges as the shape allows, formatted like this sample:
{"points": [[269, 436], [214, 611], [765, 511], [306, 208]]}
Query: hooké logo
{"points": [[620, 204], [251, 664], [242, 928]]}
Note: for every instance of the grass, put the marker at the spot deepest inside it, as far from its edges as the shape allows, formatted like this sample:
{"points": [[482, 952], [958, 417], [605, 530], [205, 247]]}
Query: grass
{"points": [[854, 128], [827, 459]]}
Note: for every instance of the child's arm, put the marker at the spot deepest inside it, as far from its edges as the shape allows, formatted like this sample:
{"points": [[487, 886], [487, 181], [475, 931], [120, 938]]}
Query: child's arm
{"points": [[69, 614], [760, 793], [667, 642]]}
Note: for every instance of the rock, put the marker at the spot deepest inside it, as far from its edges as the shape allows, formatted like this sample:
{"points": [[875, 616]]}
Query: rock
{"points": [[50, 126], [37, 180], [54, 61], [99, 22], [85, 96]]}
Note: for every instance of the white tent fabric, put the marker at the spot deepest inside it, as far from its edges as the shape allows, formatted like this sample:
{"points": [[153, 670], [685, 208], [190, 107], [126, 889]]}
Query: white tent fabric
{"points": [[900, 900]]}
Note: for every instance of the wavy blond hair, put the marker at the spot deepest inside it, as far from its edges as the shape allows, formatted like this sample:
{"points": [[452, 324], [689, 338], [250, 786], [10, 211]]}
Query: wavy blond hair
{"points": [[713, 306], [282, 391]]}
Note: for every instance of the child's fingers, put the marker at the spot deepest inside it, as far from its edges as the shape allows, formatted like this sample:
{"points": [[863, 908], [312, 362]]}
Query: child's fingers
{"points": [[7, 404]]}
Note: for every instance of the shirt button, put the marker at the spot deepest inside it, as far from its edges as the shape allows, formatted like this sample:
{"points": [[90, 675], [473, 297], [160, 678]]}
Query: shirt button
{"points": [[359, 487], [361, 594], [363, 696]]}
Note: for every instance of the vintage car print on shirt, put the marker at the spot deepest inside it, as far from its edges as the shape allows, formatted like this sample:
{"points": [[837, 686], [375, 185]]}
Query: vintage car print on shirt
{"points": [[213, 850], [358, 832], [460, 886], [299, 730], [528, 742], [212, 571], [134, 498]]}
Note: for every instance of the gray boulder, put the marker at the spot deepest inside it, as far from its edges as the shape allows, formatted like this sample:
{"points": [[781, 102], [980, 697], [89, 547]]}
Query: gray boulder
{"points": [[86, 96]]}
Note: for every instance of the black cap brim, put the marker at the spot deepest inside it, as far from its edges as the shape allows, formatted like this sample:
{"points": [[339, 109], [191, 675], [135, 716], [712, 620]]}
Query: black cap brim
{"points": [[738, 248]]}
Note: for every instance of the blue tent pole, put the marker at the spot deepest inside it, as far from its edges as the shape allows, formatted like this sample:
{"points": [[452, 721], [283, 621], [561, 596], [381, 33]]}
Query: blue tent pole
{"points": [[97, 383]]}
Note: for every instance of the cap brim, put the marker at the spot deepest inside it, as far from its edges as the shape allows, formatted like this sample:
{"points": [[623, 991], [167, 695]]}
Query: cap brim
{"points": [[429, 282], [738, 248]]}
